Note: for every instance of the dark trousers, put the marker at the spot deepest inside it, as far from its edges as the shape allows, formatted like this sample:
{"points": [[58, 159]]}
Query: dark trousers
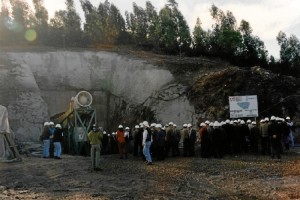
{"points": [[185, 147], [160, 152], [265, 146], [275, 148]]}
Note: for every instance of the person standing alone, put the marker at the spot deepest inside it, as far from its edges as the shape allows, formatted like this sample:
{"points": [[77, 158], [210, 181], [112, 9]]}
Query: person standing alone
{"points": [[95, 137]]}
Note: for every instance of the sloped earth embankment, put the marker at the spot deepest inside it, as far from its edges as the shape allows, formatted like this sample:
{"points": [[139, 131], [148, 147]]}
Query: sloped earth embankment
{"points": [[234, 177], [277, 95]]}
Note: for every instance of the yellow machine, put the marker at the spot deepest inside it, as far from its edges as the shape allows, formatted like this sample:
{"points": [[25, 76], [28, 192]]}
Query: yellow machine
{"points": [[76, 121]]}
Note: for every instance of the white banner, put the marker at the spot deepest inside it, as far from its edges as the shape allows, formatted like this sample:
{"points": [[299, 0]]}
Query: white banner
{"points": [[243, 106]]}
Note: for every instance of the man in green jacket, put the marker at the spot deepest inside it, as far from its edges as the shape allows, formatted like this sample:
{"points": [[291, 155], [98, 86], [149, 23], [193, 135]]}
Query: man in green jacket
{"points": [[95, 137]]}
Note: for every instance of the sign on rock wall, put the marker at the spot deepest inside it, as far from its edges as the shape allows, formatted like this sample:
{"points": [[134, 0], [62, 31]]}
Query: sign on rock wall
{"points": [[243, 106]]}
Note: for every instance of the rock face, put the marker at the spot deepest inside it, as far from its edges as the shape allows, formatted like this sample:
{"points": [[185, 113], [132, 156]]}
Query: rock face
{"points": [[129, 88], [35, 86]]}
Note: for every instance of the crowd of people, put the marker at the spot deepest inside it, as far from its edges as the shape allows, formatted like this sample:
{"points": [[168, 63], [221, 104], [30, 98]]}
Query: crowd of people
{"points": [[155, 141]]}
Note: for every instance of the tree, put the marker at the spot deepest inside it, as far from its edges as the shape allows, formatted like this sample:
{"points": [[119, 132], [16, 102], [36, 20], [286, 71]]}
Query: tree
{"points": [[153, 24], [252, 50], [5, 24], [65, 27], [138, 24], [200, 39], [41, 26], [92, 29], [289, 53], [22, 19], [112, 24], [174, 32], [225, 37]]}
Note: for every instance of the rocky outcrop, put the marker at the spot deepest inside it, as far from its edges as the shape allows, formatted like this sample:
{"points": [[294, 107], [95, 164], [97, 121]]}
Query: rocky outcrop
{"points": [[35, 86], [277, 95], [130, 87]]}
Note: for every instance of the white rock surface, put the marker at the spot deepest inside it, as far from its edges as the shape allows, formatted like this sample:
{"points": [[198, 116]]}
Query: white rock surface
{"points": [[35, 86]]}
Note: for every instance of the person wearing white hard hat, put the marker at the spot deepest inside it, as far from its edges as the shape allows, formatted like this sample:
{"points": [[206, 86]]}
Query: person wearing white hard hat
{"points": [[127, 136], [105, 142], [160, 142], [185, 138], [265, 141], [192, 139], [177, 137], [254, 137], [45, 137], [95, 138], [57, 141], [137, 141], [245, 131], [204, 140], [170, 140], [291, 134], [217, 140], [153, 147], [147, 140], [52, 130], [275, 138], [120, 136]]}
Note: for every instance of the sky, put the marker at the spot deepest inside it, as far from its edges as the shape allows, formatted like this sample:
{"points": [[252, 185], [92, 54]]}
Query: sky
{"points": [[266, 17]]}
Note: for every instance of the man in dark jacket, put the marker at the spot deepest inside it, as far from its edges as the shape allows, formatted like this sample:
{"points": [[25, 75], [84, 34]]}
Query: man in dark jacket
{"points": [[160, 142], [254, 137], [275, 138], [192, 139]]}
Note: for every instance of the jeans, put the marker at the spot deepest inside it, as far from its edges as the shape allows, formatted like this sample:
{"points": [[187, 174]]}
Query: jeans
{"points": [[46, 148], [146, 151], [57, 146], [95, 155]]}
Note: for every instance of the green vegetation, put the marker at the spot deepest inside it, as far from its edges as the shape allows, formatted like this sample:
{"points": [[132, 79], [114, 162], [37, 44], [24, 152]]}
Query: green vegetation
{"points": [[164, 32]]}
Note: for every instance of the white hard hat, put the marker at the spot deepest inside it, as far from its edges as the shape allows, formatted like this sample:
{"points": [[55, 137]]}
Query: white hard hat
{"points": [[46, 124], [254, 123], [175, 125], [171, 123], [207, 122], [120, 126], [145, 123], [202, 124], [273, 118], [242, 122], [287, 118], [51, 123], [239, 120], [167, 125], [235, 121], [58, 126], [211, 124], [231, 122], [137, 126], [127, 128], [189, 125], [158, 126], [248, 121], [104, 132], [216, 124], [153, 125], [262, 121], [184, 125], [227, 121], [267, 119], [113, 133]]}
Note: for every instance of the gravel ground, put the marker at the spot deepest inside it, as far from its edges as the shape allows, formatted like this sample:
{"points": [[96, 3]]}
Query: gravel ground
{"points": [[234, 177]]}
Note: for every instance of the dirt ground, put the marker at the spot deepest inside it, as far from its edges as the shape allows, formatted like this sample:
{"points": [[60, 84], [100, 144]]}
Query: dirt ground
{"points": [[234, 177]]}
